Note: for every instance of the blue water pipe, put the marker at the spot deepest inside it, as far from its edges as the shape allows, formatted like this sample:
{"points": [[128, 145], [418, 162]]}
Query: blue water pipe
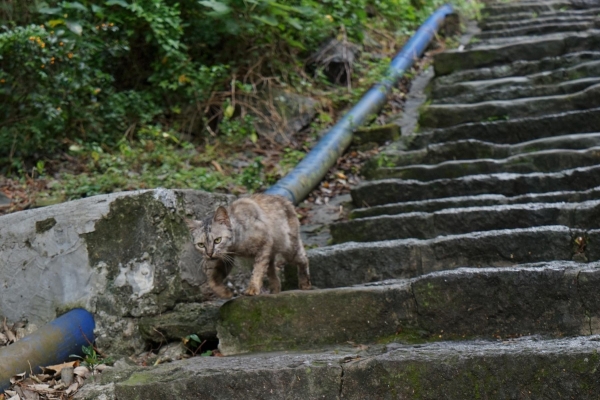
{"points": [[310, 171], [50, 345]]}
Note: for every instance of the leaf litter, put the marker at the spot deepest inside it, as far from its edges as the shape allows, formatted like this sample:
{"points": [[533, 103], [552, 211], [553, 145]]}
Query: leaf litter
{"points": [[61, 381]]}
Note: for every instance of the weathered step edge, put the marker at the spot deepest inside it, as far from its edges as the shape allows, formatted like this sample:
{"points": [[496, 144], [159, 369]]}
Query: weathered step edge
{"points": [[420, 225], [512, 131], [469, 149], [536, 161], [356, 263], [523, 48], [518, 68], [531, 369], [556, 368], [554, 299], [387, 191], [475, 201], [443, 115]]}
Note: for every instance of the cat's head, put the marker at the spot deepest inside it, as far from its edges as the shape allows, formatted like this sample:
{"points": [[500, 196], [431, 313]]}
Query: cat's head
{"points": [[213, 235]]}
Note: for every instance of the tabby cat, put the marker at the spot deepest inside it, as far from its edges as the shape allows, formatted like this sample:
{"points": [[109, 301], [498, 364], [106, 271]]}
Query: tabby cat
{"points": [[260, 226]]}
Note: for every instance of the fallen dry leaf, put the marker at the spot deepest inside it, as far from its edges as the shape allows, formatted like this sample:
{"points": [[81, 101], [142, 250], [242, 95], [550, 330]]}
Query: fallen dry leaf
{"points": [[58, 367], [11, 336], [72, 389], [82, 371], [30, 395], [42, 388], [102, 367], [217, 166], [17, 378]]}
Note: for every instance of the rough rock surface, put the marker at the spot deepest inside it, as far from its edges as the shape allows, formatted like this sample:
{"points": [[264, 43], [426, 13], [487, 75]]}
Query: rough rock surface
{"points": [[183, 320], [453, 221], [552, 299], [475, 201], [523, 369], [509, 252], [294, 376], [354, 263], [527, 368], [507, 184], [121, 256]]}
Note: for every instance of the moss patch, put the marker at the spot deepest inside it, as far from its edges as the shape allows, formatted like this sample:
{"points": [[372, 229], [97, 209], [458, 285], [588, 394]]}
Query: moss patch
{"points": [[45, 225]]}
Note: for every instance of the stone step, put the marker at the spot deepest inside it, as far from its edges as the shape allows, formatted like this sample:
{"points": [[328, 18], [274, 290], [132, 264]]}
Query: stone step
{"points": [[456, 221], [520, 91], [441, 115], [471, 148], [500, 370], [586, 69], [518, 68], [513, 131], [551, 299], [539, 29], [518, 7], [524, 18], [521, 48], [434, 205], [443, 370], [539, 161], [355, 263], [368, 194], [487, 27], [549, 34]]}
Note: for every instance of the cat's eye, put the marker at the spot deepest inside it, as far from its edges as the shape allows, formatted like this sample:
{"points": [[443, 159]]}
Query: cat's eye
{"points": [[200, 244], [218, 240]]}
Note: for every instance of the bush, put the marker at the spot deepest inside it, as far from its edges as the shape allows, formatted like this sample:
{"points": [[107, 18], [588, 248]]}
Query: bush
{"points": [[94, 71]]}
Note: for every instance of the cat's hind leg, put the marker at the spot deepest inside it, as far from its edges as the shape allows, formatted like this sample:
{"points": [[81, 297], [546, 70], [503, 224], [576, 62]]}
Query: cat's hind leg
{"points": [[274, 282], [301, 261]]}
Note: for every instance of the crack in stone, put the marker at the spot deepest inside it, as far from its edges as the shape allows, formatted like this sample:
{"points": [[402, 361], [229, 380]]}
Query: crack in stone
{"points": [[582, 302], [414, 297], [341, 391]]}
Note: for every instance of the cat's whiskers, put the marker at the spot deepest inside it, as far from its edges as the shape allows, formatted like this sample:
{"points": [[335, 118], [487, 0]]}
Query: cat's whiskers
{"points": [[228, 258]]}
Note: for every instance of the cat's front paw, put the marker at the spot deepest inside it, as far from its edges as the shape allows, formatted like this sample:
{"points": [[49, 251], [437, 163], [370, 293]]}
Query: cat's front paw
{"points": [[304, 285], [252, 290], [223, 292]]}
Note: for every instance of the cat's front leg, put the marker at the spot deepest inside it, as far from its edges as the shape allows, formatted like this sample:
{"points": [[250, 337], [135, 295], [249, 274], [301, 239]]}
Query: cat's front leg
{"points": [[216, 271], [261, 265]]}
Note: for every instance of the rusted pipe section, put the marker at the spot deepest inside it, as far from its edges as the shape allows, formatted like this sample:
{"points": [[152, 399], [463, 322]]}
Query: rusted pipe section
{"points": [[50, 345], [311, 170]]}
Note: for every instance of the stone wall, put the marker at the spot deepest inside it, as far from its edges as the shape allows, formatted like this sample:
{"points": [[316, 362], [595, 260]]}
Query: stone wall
{"points": [[121, 256]]}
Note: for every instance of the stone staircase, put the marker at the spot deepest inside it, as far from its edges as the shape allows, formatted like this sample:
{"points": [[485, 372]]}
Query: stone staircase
{"points": [[470, 267]]}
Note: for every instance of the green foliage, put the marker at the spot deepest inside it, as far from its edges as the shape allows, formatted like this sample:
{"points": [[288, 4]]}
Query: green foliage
{"points": [[290, 159], [253, 177], [194, 345], [105, 80], [91, 358], [382, 161], [157, 159], [236, 130]]}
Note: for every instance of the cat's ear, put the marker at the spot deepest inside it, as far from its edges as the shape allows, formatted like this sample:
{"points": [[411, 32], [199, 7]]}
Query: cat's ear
{"points": [[221, 216]]}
